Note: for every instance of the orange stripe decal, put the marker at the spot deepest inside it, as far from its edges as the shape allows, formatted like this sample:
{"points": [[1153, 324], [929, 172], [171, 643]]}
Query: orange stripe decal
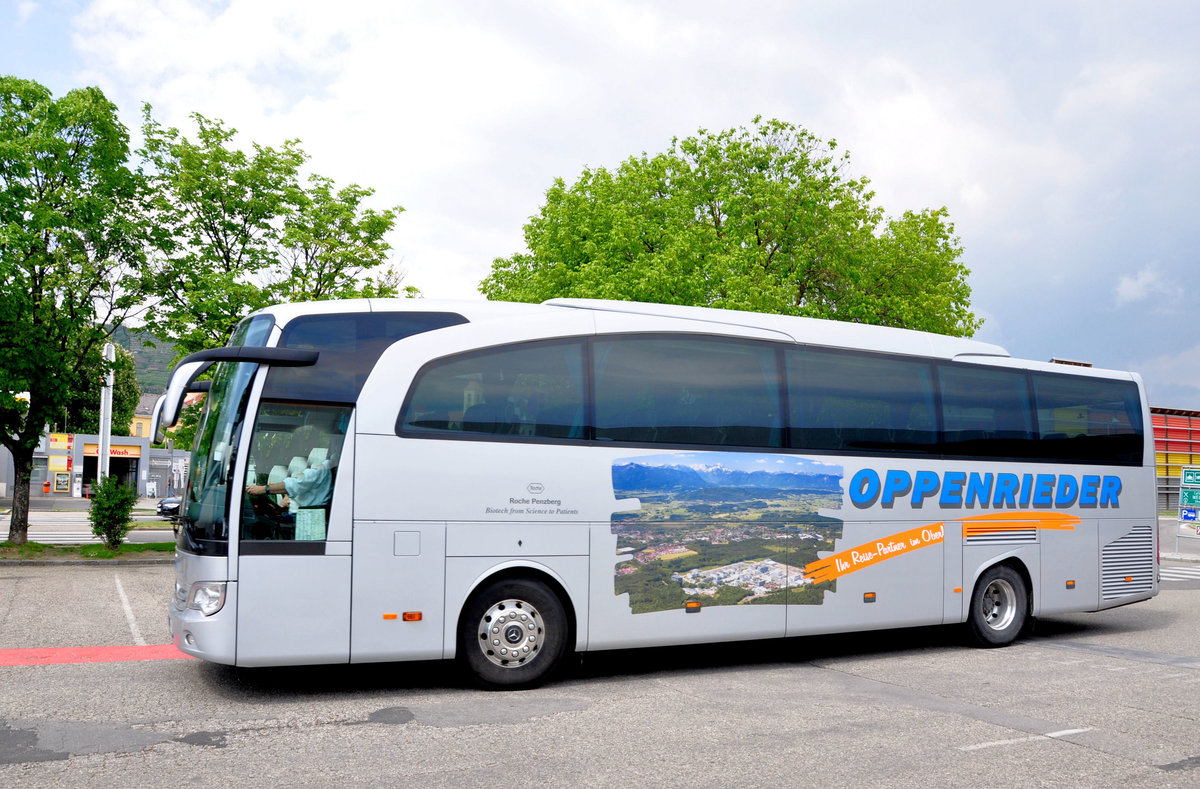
{"points": [[1000, 522], [869, 553]]}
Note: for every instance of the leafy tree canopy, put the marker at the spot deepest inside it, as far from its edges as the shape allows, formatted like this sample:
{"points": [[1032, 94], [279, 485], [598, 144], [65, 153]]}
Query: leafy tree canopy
{"points": [[71, 244], [83, 407], [762, 218], [236, 231]]}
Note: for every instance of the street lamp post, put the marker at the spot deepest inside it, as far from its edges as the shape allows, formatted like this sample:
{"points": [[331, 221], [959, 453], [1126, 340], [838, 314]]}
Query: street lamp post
{"points": [[110, 356]]}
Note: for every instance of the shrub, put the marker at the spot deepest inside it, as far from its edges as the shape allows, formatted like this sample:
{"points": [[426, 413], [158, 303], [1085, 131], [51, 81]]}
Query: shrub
{"points": [[112, 504]]}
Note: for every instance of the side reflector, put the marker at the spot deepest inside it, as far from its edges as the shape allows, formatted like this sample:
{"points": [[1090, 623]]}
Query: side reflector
{"points": [[412, 616], [692, 606], [1070, 584], [1129, 579], [868, 597], [958, 590], [389, 616]]}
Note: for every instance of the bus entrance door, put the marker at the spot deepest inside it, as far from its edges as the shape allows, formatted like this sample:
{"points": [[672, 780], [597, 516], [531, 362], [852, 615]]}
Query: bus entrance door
{"points": [[293, 596], [293, 608]]}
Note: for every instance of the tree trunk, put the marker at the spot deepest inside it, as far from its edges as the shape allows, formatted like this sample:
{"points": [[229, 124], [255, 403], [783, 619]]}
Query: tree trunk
{"points": [[18, 530]]}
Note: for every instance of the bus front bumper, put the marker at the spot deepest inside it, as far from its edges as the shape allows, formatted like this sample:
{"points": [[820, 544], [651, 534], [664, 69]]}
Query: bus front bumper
{"points": [[212, 638]]}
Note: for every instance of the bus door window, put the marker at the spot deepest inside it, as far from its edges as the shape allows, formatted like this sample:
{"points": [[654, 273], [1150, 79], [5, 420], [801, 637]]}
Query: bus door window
{"points": [[290, 474]]}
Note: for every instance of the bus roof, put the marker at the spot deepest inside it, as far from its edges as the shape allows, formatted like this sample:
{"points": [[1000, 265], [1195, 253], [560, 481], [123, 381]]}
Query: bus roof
{"points": [[474, 310], [809, 331]]}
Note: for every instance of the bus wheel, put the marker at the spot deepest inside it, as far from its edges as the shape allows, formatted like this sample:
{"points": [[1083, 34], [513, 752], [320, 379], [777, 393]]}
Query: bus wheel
{"points": [[513, 634], [999, 606]]}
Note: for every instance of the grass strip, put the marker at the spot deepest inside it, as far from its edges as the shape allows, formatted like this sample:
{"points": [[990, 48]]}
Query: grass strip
{"points": [[37, 550]]}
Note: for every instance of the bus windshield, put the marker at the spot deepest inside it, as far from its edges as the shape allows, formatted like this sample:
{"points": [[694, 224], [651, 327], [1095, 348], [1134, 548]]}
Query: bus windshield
{"points": [[205, 529]]}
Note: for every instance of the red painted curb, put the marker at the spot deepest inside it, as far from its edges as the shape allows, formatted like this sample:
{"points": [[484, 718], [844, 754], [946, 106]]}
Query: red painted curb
{"points": [[47, 656]]}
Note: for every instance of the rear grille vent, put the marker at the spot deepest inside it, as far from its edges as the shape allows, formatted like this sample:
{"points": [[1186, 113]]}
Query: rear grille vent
{"points": [[1127, 564]]}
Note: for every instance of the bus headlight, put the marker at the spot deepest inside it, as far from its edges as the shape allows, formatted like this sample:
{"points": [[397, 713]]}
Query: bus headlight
{"points": [[207, 597]]}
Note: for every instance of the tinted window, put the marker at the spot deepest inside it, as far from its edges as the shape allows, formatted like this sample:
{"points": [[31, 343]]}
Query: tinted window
{"points": [[1088, 420], [350, 344], [861, 402], [534, 389], [687, 390], [986, 411]]}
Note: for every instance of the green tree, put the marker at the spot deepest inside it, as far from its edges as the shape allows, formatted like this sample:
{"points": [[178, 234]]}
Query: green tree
{"points": [[762, 218], [83, 406], [71, 241], [330, 242], [217, 211], [237, 231]]}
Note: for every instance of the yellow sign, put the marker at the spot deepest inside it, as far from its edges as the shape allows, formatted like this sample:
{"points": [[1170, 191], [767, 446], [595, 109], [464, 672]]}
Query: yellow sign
{"points": [[62, 441], [59, 462], [93, 450]]}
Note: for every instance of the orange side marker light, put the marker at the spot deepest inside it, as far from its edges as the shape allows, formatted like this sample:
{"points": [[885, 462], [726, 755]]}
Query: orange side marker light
{"points": [[868, 597], [692, 606], [412, 616], [1070, 584], [389, 616]]}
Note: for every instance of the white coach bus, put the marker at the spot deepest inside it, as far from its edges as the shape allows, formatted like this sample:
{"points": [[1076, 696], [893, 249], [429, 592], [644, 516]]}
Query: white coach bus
{"points": [[508, 483]]}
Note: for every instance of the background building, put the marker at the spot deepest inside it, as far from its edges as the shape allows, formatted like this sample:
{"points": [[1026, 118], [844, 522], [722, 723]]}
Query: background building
{"points": [[1176, 444]]}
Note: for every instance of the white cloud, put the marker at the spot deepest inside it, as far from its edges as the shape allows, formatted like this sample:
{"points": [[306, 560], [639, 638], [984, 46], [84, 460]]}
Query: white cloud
{"points": [[1141, 286], [1106, 89], [1173, 380]]}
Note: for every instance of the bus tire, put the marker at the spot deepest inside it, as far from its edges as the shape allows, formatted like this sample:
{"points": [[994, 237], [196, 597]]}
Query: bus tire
{"points": [[512, 634], [999, 607]]}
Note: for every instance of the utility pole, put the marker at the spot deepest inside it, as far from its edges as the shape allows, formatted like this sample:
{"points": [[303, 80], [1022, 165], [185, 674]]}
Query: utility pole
{"points": [[110, 356]]}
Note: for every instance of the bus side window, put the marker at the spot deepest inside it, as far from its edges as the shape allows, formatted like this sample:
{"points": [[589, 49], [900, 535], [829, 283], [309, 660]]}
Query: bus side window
{"points": [[845, 401], [986, 411], [531, 390], [684, 389], [1087, 419]]}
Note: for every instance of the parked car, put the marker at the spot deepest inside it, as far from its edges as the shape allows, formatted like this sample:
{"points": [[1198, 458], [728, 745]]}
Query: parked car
{"points": [[169, 507]]}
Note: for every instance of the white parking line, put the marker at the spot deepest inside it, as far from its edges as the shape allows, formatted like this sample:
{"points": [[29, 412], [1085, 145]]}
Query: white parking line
{"points": [[1054, 735], [133, 626]]}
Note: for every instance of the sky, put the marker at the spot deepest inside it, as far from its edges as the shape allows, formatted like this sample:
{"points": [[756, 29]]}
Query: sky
{"points": [[1062, 137]]}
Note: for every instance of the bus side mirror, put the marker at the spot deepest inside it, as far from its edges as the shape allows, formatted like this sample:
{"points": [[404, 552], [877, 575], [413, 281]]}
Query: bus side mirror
{"points": [[177, 388], [157, 433]]}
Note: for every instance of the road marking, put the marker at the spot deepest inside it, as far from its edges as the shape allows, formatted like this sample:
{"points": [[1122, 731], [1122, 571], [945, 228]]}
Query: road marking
{"points": [[129, 617], [1054, 735], [1179, 573], [49, 656]]}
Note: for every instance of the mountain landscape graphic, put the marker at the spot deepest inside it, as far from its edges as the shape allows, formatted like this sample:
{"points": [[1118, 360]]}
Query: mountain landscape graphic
{"points": [[632, 477]]}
